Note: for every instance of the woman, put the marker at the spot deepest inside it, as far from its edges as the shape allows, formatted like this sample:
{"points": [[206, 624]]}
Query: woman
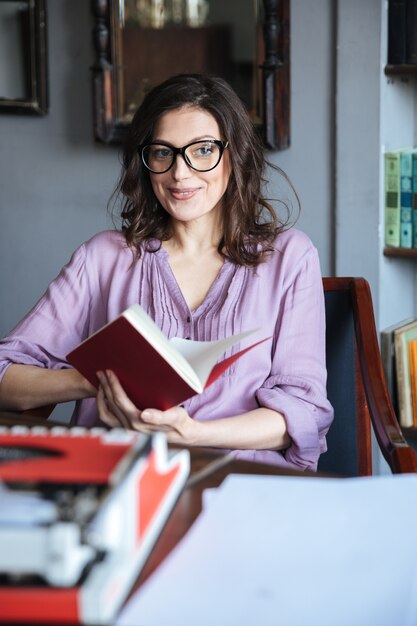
{"points": [[203, 253]]}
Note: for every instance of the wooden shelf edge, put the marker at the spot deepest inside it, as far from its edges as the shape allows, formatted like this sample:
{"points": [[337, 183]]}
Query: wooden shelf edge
{"points": [[408, 253], [398, 70]]}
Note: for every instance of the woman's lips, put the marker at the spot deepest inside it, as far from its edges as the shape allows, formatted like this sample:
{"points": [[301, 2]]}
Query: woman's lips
{"points": [[183, 194]]}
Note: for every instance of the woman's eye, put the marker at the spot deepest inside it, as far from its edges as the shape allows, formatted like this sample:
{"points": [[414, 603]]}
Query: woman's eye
{"points": [[162, 153], [204, 151]]}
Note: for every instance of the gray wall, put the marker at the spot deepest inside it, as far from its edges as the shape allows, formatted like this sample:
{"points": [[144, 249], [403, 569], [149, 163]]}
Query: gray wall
{"points": [[358, 139], [310, 159], [54, 180]]}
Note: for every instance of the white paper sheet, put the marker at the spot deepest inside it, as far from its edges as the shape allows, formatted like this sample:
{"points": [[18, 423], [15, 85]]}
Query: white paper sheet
{"points": [[291, 551]]}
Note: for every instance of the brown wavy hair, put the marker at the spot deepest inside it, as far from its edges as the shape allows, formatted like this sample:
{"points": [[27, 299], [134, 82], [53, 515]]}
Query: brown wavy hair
{"points": [[250, 223]]}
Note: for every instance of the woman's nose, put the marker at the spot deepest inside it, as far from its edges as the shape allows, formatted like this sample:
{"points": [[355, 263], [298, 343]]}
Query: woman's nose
{"points": [[180, 169]]}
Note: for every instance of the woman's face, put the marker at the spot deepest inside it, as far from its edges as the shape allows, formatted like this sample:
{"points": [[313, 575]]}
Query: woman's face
{"points": [[183, 192]]}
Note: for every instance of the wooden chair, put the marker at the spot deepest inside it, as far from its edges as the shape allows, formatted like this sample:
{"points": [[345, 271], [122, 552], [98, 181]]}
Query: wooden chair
{"points": [[356, 386]]}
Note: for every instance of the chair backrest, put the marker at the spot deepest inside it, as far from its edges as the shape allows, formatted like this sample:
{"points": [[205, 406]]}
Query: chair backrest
{"points": [[346, 453], [356, 385]]}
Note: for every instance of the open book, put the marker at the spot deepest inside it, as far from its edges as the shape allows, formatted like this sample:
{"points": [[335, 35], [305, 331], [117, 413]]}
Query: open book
{"points": [[155, 372]]}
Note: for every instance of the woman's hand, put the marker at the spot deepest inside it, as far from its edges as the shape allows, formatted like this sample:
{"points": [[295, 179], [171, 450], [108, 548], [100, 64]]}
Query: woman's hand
{"points": [[117, 410], [259, 429]]}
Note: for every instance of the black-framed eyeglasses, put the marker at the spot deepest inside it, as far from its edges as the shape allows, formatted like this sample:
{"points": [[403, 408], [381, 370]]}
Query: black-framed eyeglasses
{"points": [[201, 156]]}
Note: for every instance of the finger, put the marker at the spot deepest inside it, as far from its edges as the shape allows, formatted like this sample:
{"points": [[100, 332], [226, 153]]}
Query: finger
{"points": [[120, 406], [106, 388], [116, 399], [153, 417], [104, 413], [164, 420], [114, 417], [118, 396], [173, 423]]}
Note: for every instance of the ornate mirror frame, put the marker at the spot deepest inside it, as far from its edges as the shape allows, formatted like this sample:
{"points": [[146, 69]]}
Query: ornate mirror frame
{"points": [[35, 55], [109, 127]]}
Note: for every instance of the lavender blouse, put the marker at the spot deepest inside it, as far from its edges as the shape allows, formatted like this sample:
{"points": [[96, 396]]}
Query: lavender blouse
{"points": [[283, 297]]}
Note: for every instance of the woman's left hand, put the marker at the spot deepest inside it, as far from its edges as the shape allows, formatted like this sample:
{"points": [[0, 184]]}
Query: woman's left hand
{"points": [[117, 410]]}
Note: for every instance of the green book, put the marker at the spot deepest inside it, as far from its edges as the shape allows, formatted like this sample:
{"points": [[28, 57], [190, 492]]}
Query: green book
{"points": [[406, 187], [392, 199]]}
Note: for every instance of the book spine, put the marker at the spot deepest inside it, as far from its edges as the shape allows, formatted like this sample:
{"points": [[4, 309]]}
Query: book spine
{"points": [[387, 358], [403, 383], [397, 32], [414, 193], [392, 199], [411, 32], [412, 357], [406, 199]]}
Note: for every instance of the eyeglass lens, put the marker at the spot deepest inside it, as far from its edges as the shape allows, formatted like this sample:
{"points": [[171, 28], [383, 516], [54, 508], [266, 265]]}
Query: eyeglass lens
{"points": [[201, 156]]}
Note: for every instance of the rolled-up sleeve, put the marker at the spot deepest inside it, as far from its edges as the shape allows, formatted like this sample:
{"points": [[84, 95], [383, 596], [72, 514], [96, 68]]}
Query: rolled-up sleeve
{"points": [[296, 387], [56, 324]]}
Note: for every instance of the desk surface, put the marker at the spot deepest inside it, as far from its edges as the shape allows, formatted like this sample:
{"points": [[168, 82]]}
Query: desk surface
{"points": [[208, 470]]}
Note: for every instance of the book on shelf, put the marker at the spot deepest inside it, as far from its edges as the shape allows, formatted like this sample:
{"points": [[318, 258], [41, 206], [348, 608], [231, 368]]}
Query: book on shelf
{"points": [[412, 357], [392, 198], [397, 36], [401, 338], [414, 196], [411, 32], [402, 32], [388, 358], [155, 372], [406, 198]]}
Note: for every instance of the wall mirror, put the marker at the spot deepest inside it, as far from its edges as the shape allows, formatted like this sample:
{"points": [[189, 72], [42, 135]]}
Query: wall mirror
{"points": [[23, 76], [139, 43]]}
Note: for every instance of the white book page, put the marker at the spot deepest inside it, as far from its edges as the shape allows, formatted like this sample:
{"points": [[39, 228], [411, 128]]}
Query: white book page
{"points": [[274, 550], [193, 360], [203, 355]]}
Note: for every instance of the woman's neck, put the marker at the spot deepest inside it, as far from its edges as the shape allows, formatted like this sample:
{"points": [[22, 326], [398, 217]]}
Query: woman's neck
{"points": [[192, 238]]}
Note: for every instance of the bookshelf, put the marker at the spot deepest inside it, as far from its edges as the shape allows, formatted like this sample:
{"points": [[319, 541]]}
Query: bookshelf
{"points": [[401, 62], [401, 70], [408, 253]]}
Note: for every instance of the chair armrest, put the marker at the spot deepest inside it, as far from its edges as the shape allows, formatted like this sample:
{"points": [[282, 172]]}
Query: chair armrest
{"points": [[398, 454]]}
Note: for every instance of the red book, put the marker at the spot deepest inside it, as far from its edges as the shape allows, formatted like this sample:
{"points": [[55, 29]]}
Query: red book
{"points": [[156, 372]]}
